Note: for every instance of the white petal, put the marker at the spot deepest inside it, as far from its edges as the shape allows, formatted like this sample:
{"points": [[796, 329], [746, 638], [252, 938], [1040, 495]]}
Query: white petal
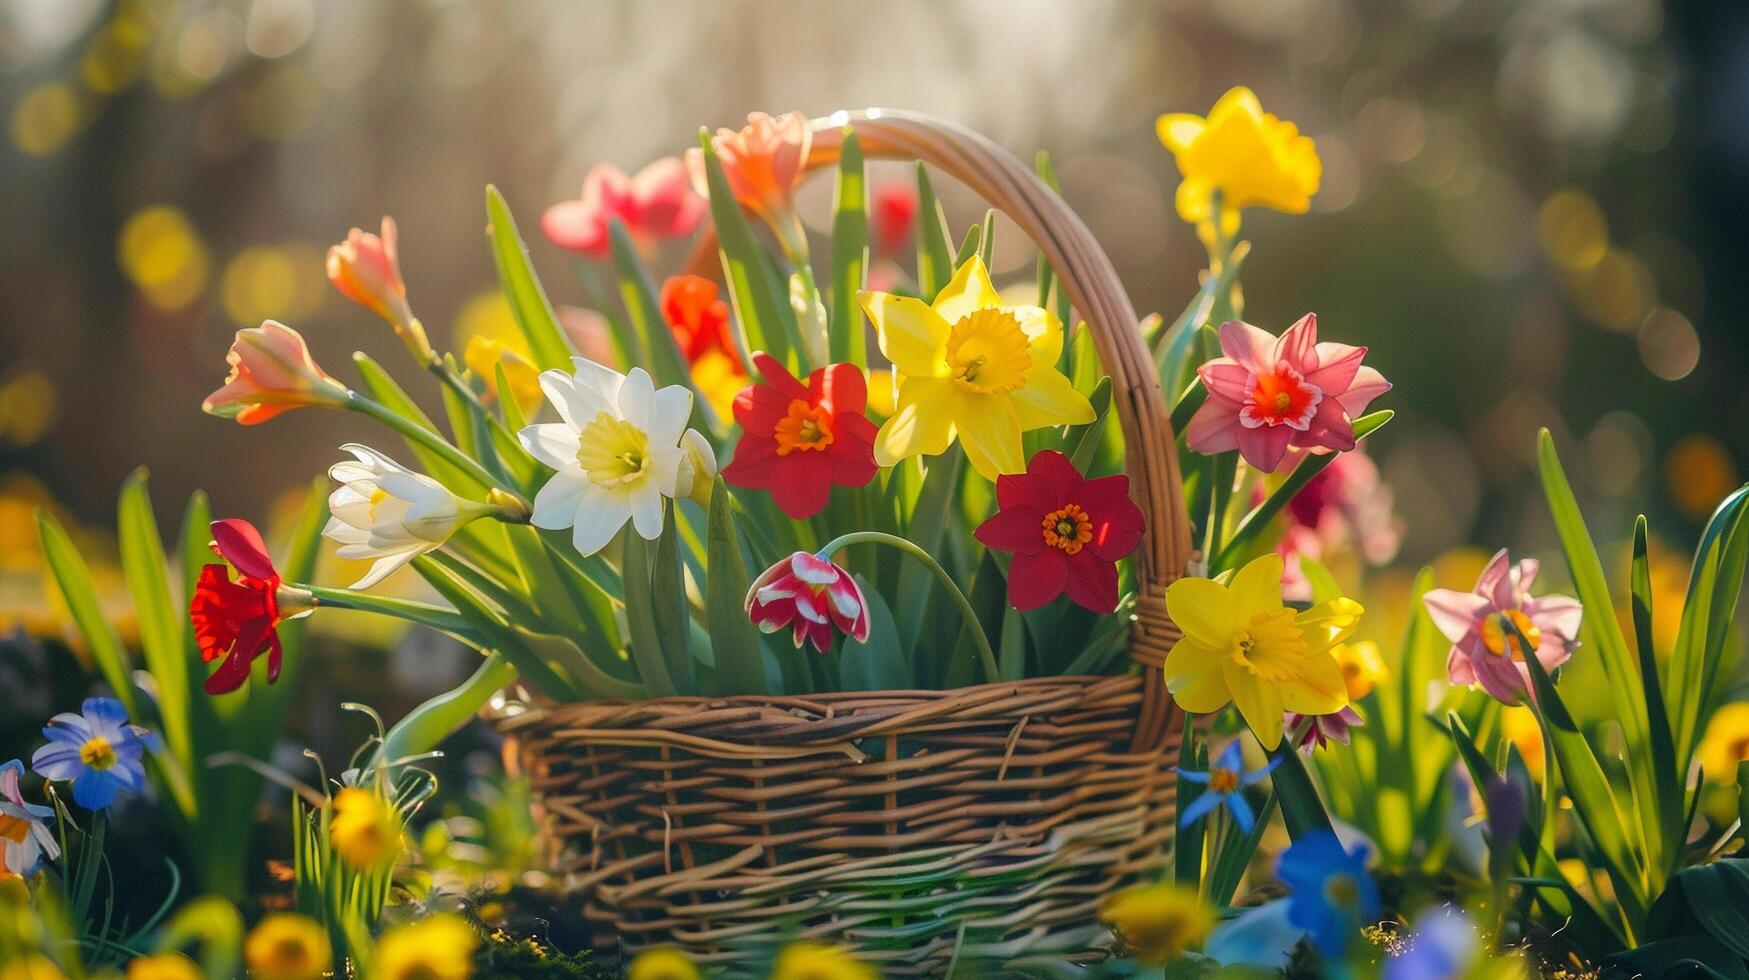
{"points": [[553, 443], [646, 507], [599, 516], [555, 506], [385, 566], [344, 533], [669, 410], [577, 400], [668, 467]]}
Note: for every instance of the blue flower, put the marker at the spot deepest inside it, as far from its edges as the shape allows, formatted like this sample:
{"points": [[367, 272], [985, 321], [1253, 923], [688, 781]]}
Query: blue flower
{"points": [[1332, 893], [24, 827], [97, 750], [1443, 945], [1225, 782]]}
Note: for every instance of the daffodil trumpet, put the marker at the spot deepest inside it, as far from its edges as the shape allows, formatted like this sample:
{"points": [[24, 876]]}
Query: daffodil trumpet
{"points": [[986, 655]]}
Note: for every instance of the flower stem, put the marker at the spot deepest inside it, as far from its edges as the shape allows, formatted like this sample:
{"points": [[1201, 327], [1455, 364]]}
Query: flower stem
{"points": [[422, 613], [992, 673], [429, 439]]}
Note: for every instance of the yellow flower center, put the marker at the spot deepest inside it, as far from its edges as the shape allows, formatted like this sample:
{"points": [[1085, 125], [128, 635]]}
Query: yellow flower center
{"points": [[1342, 891], [612, 451], [1067, 528], [97, 753], [804, 428], [1497, 638], [377, 497], [988, 353], [1271, 647], [1223, 780]]}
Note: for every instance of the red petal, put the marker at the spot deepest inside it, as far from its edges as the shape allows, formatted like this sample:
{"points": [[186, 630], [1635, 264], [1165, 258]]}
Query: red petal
{"points": [[801, 484], [1034, 580], [1092, 583], [754, 464], [241, 545], [1015, 529], [779, 380], [840, 388]]}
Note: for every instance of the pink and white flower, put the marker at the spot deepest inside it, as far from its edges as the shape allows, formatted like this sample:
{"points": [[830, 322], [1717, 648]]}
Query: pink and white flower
{"points": [[1485, 651], [810, 595], [1310, 732], [655, 203], [1270, 393]]}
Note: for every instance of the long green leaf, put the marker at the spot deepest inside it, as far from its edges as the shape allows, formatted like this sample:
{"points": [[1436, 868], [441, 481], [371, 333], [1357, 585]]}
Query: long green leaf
{"points": [[383, 388], [641, 616], [934, 257], [668, 603], [849, 253], [529, 305], [637, 292], [77, 587], [1668, 778], [1708, 612], [146, 570], [735, 640]]}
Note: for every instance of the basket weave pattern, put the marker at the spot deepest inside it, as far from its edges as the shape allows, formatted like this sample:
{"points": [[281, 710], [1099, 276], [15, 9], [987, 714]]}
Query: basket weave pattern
{"points": [[915, 828]]}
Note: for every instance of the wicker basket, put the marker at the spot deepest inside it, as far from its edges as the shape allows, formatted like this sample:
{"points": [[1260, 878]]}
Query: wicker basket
{"points": [[915, 828]]}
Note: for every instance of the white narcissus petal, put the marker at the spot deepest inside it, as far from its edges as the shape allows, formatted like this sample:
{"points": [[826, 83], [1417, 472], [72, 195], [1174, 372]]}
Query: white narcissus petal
{"points": [[670, 472], [636, 397], [553, 443], [599, 515], [555, 506], [384, 567], [646, 508]]}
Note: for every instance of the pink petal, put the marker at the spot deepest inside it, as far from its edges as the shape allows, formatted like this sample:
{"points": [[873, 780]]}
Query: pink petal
{"points": [[1556, 615], [1458, 668], [1455, 613], [1524, 576], [576, 226], [1227, 379], [1264, 447], [1251, 346], [1492, 574], [1299, 344], [1504, 680], [1367, 385], [1337, 364], [1328, 428], [1214, 428], [813, 569]]}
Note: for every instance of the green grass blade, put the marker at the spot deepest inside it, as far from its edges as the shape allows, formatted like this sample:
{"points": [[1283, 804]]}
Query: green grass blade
{"points": [[1665, 774], [641, 616], [849, 253], [73, 577], [637, 292], [529, 305], [934, 258], [668, 602], [1707, 615], [146, 570], [383, 388], [734, 638]]}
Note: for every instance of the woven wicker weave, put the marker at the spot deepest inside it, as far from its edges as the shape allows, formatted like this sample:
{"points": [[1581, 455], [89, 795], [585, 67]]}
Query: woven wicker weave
{"points": [[915, 828]]}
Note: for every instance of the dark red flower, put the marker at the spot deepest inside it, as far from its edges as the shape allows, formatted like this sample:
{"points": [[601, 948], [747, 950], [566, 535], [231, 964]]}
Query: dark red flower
{"points": [[697, 317], [237, 620], [799, 440], [895, 209], [1066, 532]]}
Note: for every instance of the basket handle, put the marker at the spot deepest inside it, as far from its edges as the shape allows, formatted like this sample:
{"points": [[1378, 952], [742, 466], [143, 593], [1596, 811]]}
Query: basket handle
{"points": [[1094, 290]]}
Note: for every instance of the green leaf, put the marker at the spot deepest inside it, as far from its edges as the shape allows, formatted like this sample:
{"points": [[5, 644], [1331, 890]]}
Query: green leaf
{"points": [[1601, 633], [1082, 441], [1011, 645], [1301, 809], [934, 260], [879, 664], [146, 571], [987, 240], [668, 602], [1708, 612], [927, 526], [759, 305], [734, 638], [1187, 841], [1665, 773], [1235, 855], [73, 577], [529, 305], [644, 311], [1175, 349], [1311, 466], [849, 253], [383, 388], [494, 632], [641, 614], [427, 725], [968, 246]]}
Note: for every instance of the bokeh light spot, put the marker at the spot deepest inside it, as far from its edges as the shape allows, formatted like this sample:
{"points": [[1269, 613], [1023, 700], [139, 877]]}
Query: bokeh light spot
{"points": [[1668, 344], [1615, 293], [45, 118], [1698, 473], [1572, 229], [161, 253]]}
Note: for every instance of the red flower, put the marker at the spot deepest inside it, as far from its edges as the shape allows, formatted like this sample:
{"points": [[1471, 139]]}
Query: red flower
{"points": [[800, 440], [810, 595], [895, 209], [237, 620], [697, 317], [1066, 532]]}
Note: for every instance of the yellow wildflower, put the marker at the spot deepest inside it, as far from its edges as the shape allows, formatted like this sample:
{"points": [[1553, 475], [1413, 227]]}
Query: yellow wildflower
{"points": [[1249, 156], [364, 828], [438, 948], [1726, 742], [163, 966], [1158, 922], [973, 369], [1242, 644], [662, 964], [32, 967], [813, 961], [287, 946], [1362, 667]]}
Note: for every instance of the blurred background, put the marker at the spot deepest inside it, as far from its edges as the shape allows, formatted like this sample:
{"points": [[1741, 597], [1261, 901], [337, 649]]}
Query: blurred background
{"points": [[1532, 210]]}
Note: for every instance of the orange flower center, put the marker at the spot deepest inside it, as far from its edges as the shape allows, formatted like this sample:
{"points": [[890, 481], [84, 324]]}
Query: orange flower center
{"points": [[806, 427], [97, 753], [1497, 638], [1068, 528], [1281, 397], [1223, 780]]}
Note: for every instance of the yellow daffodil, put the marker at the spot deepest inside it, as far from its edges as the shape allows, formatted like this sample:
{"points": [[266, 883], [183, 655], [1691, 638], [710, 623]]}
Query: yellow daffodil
{"points": [[163, 966], [1726, 742], [287, 946], [364, 828], [973, 369], [1362, 667], [1242, 644], [1249, 156], [438, 948], [1158, 922], [813, 961], [662, 964]]}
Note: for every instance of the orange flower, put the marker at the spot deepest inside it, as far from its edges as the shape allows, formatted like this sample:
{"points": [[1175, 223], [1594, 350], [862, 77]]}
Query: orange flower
{"points": [[763, 161], [698, 318], [271, 372], [367, 270]]}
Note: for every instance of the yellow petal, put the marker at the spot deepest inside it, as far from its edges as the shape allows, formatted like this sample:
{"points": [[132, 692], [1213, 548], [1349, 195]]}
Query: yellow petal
{"points": [[1257, 586], [1177, 130], [1204, 609], [989, 431], [1194, 198], [1329, 623], [1318, 689], [912, 335], [1048, 398], [1044, 333], [1238, 99], [1193, 675], [923, 424], [970, 290], [1258, 702]]}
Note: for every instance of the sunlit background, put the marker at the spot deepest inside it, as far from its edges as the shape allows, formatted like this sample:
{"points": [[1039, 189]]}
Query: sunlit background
{"points": [[1532, 210]]}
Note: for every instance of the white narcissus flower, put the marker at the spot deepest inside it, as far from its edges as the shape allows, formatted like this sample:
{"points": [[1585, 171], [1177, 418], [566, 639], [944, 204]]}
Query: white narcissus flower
{"points": [[385, 511], [618, 453]]}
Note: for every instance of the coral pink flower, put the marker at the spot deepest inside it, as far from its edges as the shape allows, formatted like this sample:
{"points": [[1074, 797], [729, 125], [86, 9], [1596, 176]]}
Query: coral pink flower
{"points": [[238, 620], [895, 211], [656, 203], [367, 270], [271, 372], [763, 161], [1272, 392], [801, 440], [698, 317], [1314, 731], [1066, 532], [810, 595], [1484, 650]]}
